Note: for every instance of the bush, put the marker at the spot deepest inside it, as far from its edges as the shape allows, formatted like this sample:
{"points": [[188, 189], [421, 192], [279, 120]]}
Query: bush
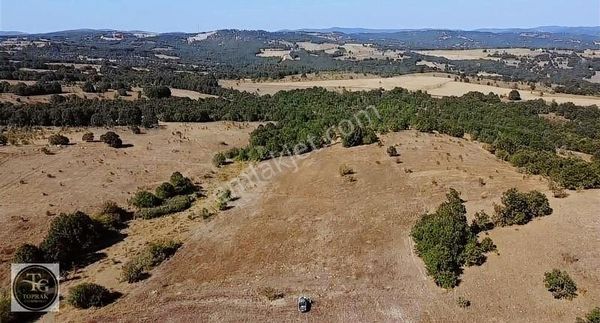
{"points": [[86, 295], [88, 136], [520, 208], [182, 184], [345, 170], [111, 215], [152, 256], [359, 136], [28, 253], [157, 92], [487, 245], [165, 190], [592, 317], [170, 206], [463, 302], [112, 139], [3, 140], [392, 152], [560, 284], [88, 87], [58, 140], [122, 92], [514, 95], [473, 254], [135, 130], [219, 159], [144, 199], [132, 271], [70, 237], [481, 222]]}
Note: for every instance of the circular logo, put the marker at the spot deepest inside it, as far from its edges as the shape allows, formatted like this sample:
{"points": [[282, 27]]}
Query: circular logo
{"points": [[35, 288]]}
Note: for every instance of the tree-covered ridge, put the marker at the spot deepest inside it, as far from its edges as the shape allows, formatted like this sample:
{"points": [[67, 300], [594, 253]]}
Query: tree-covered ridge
{"points": [[310, 118]]}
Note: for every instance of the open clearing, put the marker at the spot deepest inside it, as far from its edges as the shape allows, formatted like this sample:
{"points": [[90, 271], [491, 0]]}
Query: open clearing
{"points": [[346, 244], [434, 85], [35, 187], [352, 51]]}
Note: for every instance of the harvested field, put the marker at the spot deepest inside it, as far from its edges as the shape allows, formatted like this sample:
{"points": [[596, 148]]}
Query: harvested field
{"points": [[469, 54], [434, 85], [194, 95], [346, 244]]}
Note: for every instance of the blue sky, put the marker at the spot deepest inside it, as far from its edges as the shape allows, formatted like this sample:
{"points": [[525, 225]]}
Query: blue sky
{"points": [[192, 16]]}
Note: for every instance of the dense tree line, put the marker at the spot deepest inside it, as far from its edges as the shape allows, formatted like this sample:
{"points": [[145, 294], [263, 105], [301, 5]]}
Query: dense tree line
{"points": [[304, 120], [38, 88]]}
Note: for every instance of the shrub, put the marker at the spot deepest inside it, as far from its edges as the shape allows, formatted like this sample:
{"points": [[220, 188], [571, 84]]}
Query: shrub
{"points": [[520, 208], [463, 302], [122, 92], [153, 255], [487, 245], [182, 184], [88, 87], [70, 237], [560, 284], [170, 206], [221, 205], [112, 139], [225, 195], [481, 222], [219, 159], [3, 140], [592, 317], [136, 130], [345, 170], [473, 254], [159, 251], [144, 199], [359, 136], [392, 152], [58, 140], [272, 294], [28, 253], [232, 153], [111, 215], [132, 271], [88, 136], [86, 295], [514, 95], [165, 190]]}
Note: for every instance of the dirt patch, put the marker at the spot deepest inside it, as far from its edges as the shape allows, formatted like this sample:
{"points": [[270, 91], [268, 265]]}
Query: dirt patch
{"points": [[474, 54]]}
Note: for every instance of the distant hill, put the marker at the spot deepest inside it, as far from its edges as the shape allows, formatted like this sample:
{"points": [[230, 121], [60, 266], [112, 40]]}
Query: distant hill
{"points": [[11, 33], [590, 31]]}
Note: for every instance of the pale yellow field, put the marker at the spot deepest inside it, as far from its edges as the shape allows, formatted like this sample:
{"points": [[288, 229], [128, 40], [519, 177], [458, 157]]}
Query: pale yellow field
{"points": [[467, 54], [434, 85]]}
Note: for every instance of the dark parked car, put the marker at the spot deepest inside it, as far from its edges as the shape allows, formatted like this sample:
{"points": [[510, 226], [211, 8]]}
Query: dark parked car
{"points": [[304, 304]]}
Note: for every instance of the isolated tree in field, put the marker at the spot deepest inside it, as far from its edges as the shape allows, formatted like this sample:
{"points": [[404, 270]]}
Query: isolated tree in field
{"points": [[514, 95], [112, 139], [58, 140], [88, 136]]}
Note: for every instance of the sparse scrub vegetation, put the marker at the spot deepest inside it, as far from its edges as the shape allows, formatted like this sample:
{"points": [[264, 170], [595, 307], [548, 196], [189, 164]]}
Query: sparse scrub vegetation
{"points": [[173, 205], [463, 302], [346, 170], [560, 284], [219, 159], [592, 317], [3, 140], [272, 294], [144, 199]]}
